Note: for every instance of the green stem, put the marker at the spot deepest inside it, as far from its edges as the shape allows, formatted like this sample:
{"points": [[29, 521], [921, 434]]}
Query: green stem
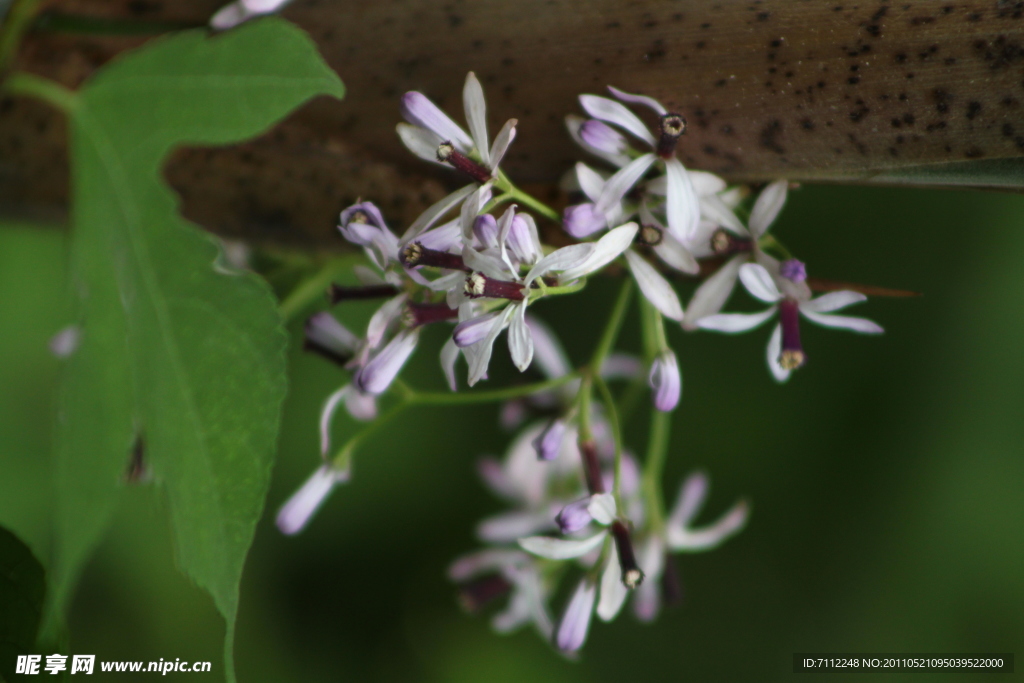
{"points": [[611, 329], [770, 242], [613, 422], [510, 190], [60, 97], [496, 202], [314, 287], [344, 456], [654, 464], [544, 290], [471, 397], [18, 19]]}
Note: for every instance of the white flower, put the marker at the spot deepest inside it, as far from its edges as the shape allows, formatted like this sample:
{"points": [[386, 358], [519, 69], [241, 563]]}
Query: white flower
{"points": [[714, 292], [240, 11], [785, 352], [682, 206]]}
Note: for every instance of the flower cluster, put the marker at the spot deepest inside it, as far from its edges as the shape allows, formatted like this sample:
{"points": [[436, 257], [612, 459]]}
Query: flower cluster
{"points": [[583, 509]]}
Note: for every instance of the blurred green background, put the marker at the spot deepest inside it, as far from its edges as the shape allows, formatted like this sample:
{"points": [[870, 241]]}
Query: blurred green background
{"points": [[885, 478]]}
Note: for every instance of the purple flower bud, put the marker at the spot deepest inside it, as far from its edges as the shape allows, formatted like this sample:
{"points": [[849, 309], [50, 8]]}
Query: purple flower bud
{"points": [[603, 137], [381, 371], [581, 220], [549, 443], [485, 227], [523, 240], [574, 516], [666, 381], [572, 630], [364, 213], [793, 269]]}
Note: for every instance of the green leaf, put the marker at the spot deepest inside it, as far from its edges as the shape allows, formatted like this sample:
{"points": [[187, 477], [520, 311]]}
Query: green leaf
{"points": [[21, 601], [177, 349]]}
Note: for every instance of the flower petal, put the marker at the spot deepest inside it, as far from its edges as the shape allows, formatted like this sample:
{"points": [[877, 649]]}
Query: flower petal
{"points": [[714, 209], [666, 381], [520, 341], [844, 322], [360, 406], [436, 211], [483, 349], [583, 220], [621, 366], [575, 124], [591, 182], [601, 507], [734, 322], [508, 527], [449, 354], [382, 319], [560, 260], [377, 375], [613, 591], [575, 623], [299, 509], [682, 206], [469, 332], [561, 548], [616, 113], [833, 301], [326, 415], [768, 205], [759, 282], [473, 564], [712, 295], [502, 141], [655, 288], [705, 183], [643, 100], [671, 251], [623, 181], [711, 536], [476, 116], [418, 110], [420, 141], [691, 497], [606, 250], [780, 373]]}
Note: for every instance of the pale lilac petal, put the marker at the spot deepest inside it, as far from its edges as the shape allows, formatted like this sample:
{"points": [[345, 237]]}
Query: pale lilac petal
{"points": [[485, 227], [768, 205], [705, 183], [299, 509], [446, 237], [489, 264], [759, 282], [476, 329], [551, 357], [449, 354], [714, 209], [671, 251], [613, 591], [507, 527], [367, 209], [377, 375], [492, 559], [711, 536], [642, 100], [471, 208], [647, 602], [418, 110], [665, 381], [561, 548], [713, 293], [606, 250], [682, 205], [520, 341], [360, 406], [780, 373], [436, 211], [623, 181], [656, 289], [264, 6], [590, 181], [617, 114], [601, 508], [382, 319], [476, 116], [844, 322], [575, 623], [524, 240], [621, 366], [483, 349], [561, 260], [601, 137], [65, 342], [583, 220], [734, 322], [493, 474], [833, 301], [230, 16], [502, 141], [420, 141], [689, 501], [574, 124], [327, 414], [455, 280], [323, 329]]}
